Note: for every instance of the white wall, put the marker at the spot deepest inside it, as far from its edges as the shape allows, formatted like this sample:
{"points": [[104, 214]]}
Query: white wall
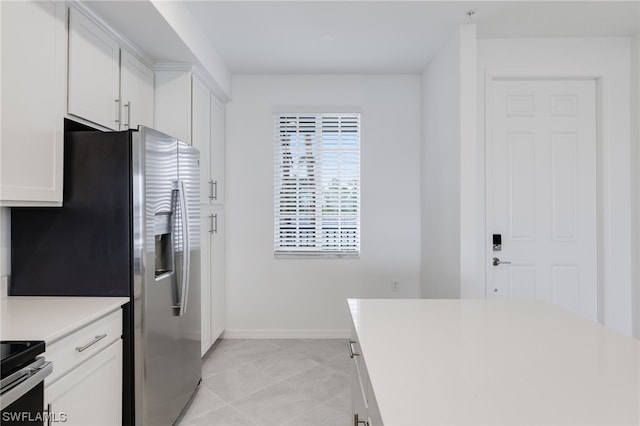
{"points": [[306, 297], [440, 177], [448, 178], [471, 199], [608, 58]]}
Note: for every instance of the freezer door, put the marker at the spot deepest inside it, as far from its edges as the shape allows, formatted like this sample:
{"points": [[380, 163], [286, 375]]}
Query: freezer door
{"points": [[190, 322], [159, 240]]}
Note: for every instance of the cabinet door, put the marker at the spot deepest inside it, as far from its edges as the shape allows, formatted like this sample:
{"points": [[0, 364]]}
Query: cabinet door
{"points": [[91, 394], [201, 137], [33, 94], [136, 92], [217, 149], [172, 103], [218, 293], [94, 72], [360, 412], [206, 228]]}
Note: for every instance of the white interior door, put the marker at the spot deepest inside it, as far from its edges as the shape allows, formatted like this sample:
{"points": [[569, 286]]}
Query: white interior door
{"points": [[541, 193]]}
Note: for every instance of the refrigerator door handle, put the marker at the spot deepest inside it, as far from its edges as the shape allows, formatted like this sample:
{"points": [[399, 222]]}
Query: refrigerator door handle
{"points": [[186, 253]]}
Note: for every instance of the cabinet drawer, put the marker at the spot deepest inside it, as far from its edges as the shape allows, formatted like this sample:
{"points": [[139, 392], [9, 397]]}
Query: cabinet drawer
{"points": [[74, 349]]}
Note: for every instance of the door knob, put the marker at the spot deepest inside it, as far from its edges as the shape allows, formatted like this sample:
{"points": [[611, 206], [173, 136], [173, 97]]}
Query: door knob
{"points": [[497, 261]]}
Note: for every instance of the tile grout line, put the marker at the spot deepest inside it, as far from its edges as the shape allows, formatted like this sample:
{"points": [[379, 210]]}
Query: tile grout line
{"points": [[278, 382], [296, 348]]}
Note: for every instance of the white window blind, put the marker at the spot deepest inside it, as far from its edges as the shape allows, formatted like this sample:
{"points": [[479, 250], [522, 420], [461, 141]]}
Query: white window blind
{"points": [[317, 184]]}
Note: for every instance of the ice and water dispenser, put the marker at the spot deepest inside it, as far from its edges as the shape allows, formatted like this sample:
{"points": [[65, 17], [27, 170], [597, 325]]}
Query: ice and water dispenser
{"points": [[164, 244]]}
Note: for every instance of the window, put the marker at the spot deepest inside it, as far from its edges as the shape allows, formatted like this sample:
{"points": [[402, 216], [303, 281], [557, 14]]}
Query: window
{"points": [[317, 184]]}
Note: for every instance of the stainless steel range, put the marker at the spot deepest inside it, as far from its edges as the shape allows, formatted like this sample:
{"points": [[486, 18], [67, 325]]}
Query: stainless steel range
{"points": [[22, 382]]}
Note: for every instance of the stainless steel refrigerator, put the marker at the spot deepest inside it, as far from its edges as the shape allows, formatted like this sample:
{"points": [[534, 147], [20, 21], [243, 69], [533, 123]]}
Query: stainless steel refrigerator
{"points": [[129, 226]]}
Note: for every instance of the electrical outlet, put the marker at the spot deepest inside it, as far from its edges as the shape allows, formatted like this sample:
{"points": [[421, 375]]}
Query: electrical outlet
{"points": [[395, 285]]}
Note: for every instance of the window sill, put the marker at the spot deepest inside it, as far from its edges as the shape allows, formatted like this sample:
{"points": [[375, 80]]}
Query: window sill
{"points": [[314, 255]]}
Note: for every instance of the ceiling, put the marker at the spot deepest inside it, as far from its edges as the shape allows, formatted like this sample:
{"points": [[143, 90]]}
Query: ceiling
{"points": [[354, 36], [385, 36]]}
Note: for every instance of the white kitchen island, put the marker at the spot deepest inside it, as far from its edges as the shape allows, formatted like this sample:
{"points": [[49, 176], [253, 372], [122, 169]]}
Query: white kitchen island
{"points": [[476, 362]]}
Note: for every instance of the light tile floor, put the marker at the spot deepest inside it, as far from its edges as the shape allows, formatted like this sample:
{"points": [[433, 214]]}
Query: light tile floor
{"points": [[263, 382]]}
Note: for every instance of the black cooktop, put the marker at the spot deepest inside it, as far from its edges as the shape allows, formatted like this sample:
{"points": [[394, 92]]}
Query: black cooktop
{"points": [[18, 353]]}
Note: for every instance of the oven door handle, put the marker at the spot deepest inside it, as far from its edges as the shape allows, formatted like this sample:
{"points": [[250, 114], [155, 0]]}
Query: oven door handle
{"points": [[27, 378]]}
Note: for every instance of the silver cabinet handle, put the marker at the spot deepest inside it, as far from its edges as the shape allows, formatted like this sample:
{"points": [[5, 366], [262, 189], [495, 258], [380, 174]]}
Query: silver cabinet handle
{"points": [[213, 228], [91, 343], [497, 262], [358, 422], [350, 344], [215, 189], [117, 120], [128, 114]]}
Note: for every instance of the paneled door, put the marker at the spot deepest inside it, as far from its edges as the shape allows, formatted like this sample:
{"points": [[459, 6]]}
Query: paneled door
{"points": [[541, 193]]}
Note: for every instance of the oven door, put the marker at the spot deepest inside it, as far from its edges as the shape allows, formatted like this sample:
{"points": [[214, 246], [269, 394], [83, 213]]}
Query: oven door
{"points": [[22, 394]]}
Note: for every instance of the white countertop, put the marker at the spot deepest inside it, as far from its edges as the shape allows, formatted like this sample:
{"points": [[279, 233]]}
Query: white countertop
{"points": [[489, 362], [51, 318]]}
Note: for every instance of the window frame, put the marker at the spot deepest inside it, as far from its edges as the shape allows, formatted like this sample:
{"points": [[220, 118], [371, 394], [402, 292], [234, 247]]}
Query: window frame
{"points": [[321, 117]]}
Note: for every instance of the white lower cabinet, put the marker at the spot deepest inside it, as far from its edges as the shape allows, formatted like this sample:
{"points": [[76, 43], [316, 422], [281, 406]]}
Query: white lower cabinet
{"points": [[205, 281], [365, 409], [91, 394], [213, 275], [85, 387]]}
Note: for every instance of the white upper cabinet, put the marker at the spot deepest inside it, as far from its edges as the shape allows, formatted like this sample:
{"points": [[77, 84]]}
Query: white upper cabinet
{"points": [[94, 72], [172, 103], [108, 85], [186, 108], [217, 152], [33, 96], [136, 92], [201, 135]]}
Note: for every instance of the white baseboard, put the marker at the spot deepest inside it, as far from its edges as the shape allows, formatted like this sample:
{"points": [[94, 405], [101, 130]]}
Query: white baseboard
{"points": [[286, 334]]}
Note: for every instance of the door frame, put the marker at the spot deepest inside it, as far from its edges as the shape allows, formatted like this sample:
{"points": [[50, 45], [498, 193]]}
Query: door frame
{"points": [[492, 75]]}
